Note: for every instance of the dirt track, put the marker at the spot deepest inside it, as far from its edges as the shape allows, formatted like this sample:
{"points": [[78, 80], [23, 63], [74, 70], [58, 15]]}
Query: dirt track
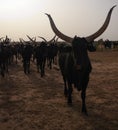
{"points": [[29, 102]]}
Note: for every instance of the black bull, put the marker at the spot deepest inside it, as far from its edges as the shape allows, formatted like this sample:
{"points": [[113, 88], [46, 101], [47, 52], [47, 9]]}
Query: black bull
{"points": [[40, 54], [76, 65]]}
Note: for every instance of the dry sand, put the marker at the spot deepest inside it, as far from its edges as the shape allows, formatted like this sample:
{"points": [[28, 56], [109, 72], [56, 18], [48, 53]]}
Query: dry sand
{"points": [[29, 102]]}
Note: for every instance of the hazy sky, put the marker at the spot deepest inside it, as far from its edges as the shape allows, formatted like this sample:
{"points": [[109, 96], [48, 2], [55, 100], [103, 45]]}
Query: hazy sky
{"points": [[19, 18]]}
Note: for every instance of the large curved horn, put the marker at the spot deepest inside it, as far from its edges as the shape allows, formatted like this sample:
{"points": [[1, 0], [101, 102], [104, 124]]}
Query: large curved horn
{"points": [[103, 28], [57, 32]]}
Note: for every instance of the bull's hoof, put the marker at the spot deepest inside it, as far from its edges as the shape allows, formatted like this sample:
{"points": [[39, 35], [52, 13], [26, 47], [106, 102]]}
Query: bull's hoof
{"points": [[85, 112], [69, 101], [2, 74], [70, 104], [79, 88], [66, 93], [42, 74]]}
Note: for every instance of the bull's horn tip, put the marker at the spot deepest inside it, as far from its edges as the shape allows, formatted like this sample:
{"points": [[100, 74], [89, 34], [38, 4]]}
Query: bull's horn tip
{"points": [[46, 14], [114, 6]]}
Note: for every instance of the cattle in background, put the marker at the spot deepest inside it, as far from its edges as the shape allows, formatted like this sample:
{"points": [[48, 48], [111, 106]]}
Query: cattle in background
{"points": [[75, 65], [52, 50], [99, 44], [15, 51], [26, 56], [2, 62], [40, 54], [107, 44], [115, 44], [34, 45], [110, 44], [4, 57]]}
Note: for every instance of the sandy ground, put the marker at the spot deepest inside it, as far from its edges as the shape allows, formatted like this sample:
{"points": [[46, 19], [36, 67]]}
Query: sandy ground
{"points": [[29, 102]]}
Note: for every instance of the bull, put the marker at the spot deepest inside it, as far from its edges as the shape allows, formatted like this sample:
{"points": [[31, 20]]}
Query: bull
{"points": [[26, 56], [52, 50], [40, 54], [75, 64]]}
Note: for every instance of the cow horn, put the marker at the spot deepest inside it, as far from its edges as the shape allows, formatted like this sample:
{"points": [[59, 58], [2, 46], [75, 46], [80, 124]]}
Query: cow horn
{"points": [[57, 39], [46, 40], [102, 29], [43, 39], [52, 39], [57, 32], [31, 39]]}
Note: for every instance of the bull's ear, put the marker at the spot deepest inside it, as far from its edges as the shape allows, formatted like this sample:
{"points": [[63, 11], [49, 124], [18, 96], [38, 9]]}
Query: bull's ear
{"points": [[91, 47]]}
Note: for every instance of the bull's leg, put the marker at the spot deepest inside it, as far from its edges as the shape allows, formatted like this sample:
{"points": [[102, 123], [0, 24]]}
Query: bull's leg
{"points": [[2, 73], [44, 66], [6, 67], [33, 57], [70, 93], [65, 87], [50, 63], [16, 55], [28, 66], [2, 70], [37, 64], [47, 61], [53, 60], [38, 68], [83, 95], [41, 68], [24, 66]]}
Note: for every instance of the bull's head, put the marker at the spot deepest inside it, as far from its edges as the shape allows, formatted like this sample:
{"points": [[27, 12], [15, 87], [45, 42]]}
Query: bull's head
{"points": [[88, 38]]}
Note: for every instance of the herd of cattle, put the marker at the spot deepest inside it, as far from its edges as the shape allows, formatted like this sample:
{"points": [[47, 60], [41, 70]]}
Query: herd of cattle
{"points": [[101, 44], [39, 52]]}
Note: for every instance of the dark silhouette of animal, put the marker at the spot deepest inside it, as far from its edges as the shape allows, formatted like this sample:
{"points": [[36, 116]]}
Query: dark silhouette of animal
{"points": [[40, 54], [107, 44], [26, 56], [115, 44], [2, 60], [52, 53], [51, 50], [75, 64], [5, 56]]}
